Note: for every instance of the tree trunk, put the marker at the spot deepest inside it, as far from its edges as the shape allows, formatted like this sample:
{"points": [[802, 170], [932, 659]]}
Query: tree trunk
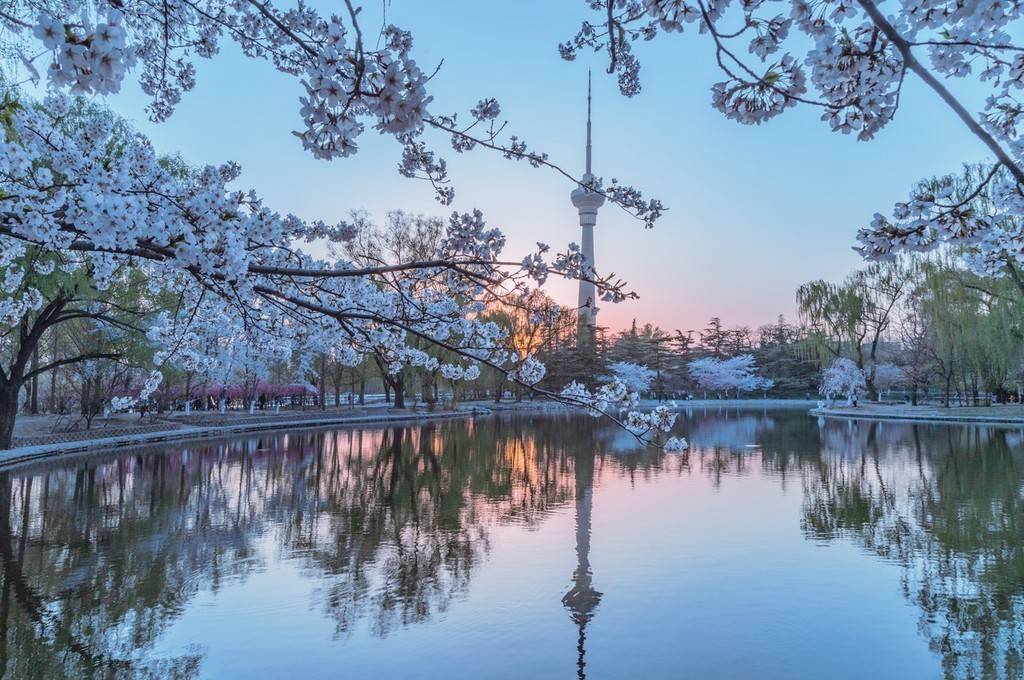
{"points": [[8, 414], [869, 384], [426, 392], [53, 374], [34, 404], [399, 392], [323, 382], [52, 408]]}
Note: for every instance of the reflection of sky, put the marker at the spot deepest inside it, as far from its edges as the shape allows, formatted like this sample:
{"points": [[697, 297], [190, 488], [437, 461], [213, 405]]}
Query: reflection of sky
{"points": [[752, 196], [697, 577], [738, 432], [739, 573], [696, 581]]}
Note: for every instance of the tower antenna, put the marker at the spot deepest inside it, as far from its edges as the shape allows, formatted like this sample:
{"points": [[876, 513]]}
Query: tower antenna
{"points": [[588, 122]]}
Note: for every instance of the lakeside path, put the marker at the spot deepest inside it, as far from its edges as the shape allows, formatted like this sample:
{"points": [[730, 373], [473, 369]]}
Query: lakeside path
{"points": [[1003, 414], [34, 440]]}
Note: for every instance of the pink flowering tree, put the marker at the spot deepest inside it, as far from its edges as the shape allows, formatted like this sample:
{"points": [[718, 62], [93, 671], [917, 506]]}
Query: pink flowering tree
{"points": [[637, 377], [842, 377], [736, 374]]}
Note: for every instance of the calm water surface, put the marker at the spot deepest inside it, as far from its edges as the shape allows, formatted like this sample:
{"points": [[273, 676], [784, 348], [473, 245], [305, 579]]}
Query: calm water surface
{"points": [[526, 546]]}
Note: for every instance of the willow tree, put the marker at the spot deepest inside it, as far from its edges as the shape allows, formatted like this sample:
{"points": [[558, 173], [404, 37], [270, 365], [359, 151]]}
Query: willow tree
{"points": [[858, 312], [974, 329]]}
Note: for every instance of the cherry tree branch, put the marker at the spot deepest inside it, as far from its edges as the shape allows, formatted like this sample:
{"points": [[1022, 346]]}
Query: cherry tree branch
{"points": [[911, 62]]}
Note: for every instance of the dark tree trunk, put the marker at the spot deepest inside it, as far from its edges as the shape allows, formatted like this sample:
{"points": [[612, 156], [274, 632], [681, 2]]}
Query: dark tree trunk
{"points": [[869, 383], [53, 391], [8, 414], [399, 387], [34, 404], [323, 382]]}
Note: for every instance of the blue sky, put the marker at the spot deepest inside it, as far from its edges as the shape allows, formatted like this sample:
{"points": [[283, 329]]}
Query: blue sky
{"points": [[754, 211]]}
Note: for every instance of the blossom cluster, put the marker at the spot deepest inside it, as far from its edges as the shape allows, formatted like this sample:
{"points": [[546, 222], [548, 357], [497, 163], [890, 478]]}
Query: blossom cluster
{"points": [[854, 67], [87, 58], [250, 297], [980, 211], [614, 395], [79, 185], [722, 375], [530, 371], [347, 87], [636, 377], [842, 377], [857, 57]]}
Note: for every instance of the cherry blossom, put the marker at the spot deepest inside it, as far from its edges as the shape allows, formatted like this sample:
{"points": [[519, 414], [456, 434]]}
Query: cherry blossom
{"points": [[530, 371], [842, 377], [723, 375], [249, 297], [347, 87], [850, 60], [248, 294], [636, 377]]}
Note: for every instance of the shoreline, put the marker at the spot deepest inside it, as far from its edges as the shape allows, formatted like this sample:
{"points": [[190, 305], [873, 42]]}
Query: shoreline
{"points": [[35, 453], [919, 417], [682, 404], [181, 431]]}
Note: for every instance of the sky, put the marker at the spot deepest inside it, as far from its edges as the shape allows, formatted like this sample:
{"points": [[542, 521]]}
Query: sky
{"points": [[754, 211]]}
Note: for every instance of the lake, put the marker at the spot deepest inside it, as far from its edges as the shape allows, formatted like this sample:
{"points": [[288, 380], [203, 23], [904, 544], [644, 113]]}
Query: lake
{"points": [[539, 546]]}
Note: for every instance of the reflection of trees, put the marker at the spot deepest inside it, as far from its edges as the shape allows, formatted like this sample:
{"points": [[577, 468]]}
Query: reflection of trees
{"points": [[724, 430], [945, 503], [100, 558], [726, 442]]}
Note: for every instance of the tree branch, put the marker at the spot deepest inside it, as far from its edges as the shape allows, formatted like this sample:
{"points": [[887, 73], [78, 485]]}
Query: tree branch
{"points": [[69, 360], [911, 62]]}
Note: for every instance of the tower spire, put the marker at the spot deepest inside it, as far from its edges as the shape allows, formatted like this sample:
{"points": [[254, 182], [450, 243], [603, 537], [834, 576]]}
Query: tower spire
{"points": [[588, 122], [587, 199]]}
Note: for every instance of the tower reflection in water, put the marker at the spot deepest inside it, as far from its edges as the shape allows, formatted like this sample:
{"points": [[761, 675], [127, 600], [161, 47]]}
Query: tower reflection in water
{"points": [[111, 565], [582, 599]]}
